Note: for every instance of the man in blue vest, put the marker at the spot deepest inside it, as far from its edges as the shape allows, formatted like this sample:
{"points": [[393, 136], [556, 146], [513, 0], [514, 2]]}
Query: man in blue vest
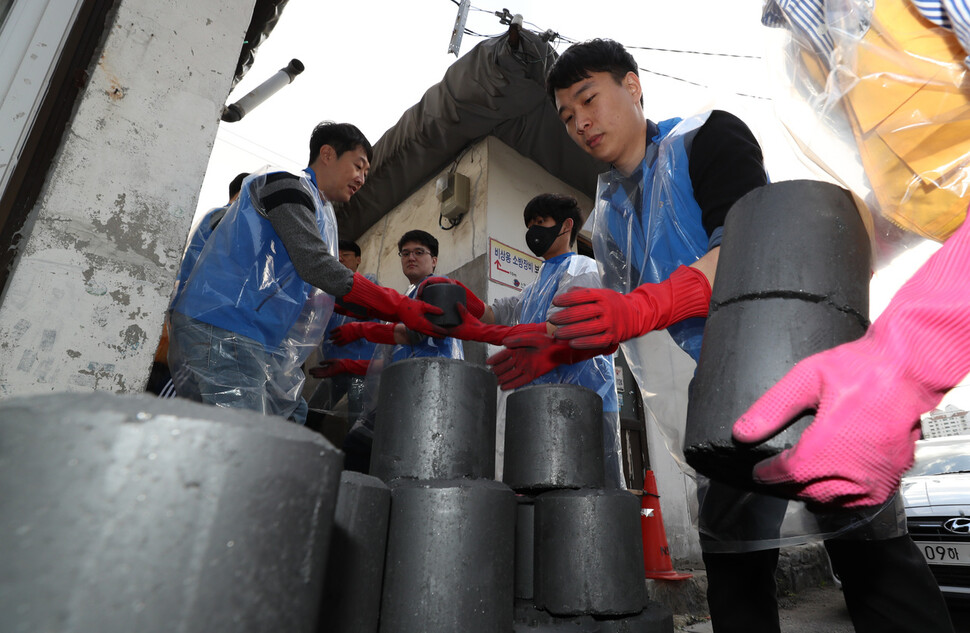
{"points": [[261, 293], [657, 232]]}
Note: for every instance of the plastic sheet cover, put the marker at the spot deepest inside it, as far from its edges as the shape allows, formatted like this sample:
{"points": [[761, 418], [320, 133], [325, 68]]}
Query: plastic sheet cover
{"points": [[877, 97], [223, 359], [633, 248]]}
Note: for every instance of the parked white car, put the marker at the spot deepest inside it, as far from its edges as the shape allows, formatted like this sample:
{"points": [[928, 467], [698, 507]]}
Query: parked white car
{"points": [[936, 492]]}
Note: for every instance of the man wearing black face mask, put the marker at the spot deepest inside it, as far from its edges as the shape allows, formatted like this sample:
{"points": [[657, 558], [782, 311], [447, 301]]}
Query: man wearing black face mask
{"points": [[553, 222], [542, 233]]}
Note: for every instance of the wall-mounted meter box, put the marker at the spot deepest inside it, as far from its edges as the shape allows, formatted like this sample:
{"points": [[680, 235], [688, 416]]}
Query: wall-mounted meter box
{"points": [[454, 192]]}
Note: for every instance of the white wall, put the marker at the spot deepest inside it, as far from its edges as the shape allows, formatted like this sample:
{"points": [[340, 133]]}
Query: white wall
{"points": [[513, 181], [85, 302]]}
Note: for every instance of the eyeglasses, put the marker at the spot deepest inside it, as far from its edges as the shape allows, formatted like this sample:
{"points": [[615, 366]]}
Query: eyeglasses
{"points": [[418, 252]]}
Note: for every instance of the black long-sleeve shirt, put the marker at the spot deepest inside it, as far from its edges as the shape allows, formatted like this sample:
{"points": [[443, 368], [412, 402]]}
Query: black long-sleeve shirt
{"points": [[725, 163]]}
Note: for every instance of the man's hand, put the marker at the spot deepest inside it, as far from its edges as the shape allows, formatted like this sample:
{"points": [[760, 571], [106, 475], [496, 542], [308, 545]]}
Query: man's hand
{"points": [[597, 318], [529, 355], [862, 439], [389, 305], [330, 368]]}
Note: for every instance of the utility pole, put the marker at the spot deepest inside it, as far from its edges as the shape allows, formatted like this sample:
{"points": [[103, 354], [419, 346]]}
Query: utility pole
{"points": [[459, 29]]}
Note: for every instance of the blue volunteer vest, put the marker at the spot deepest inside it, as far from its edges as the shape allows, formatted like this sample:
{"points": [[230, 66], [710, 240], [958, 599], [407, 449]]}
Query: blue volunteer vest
{"points": [[199, 237], [244, 280]]}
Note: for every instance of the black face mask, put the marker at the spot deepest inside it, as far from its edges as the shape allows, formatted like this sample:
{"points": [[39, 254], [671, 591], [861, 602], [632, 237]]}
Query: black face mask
{"points": [[540, 238]]}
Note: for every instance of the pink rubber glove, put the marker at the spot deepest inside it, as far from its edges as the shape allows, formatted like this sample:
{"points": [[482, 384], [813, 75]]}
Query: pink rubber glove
{"points": [[475, 305], [389, 305], [529, 355], [869, 394], [370, 330], [596, 318], [471, 329], [329, 368]]}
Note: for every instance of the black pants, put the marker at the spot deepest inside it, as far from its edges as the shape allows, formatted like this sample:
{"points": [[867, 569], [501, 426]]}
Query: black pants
{"points": [[887, 587]]}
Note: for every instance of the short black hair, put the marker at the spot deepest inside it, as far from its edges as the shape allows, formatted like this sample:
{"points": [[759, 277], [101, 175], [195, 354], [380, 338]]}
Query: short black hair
{"points": [[421, 237], [343, 137], [557, 206], [349, 245], [235, 186], [592, 56]]}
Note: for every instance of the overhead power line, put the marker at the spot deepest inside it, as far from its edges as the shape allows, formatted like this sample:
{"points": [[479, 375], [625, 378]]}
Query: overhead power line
{"points": [[505, 17], [694, 83], [686, 52]]}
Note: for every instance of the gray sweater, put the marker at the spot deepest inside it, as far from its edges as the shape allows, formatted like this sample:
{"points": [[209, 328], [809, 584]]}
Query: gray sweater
{"points": [[291, 212]]}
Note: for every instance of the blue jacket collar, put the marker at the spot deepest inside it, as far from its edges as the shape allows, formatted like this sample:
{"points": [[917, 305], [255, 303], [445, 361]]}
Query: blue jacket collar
{"points": [[313, 178]]}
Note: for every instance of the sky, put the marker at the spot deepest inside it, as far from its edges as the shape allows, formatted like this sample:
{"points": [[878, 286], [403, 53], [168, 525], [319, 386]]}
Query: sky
{"points": [[368, 61]]}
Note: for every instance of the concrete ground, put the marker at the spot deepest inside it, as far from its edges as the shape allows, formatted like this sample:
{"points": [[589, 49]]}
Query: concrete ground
{"points": [[799, 569], [810, 610], [810, 599], [816, 609]]}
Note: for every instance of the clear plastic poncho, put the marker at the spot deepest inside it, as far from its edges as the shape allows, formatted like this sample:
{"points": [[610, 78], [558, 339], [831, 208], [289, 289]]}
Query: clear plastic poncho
{"points": [[633, 248], [877, 96], [245, 321]]}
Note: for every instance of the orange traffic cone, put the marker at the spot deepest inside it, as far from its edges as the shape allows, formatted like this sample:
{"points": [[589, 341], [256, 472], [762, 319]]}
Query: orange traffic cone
{"points": [[656, 551]]}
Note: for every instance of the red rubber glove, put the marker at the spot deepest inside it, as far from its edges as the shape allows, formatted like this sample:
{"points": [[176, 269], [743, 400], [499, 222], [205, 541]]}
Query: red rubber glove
{"points": [[370, 330], [329, 368], [475, 305], [532, 354], [596, 318], [471, 329], [869, 394], [349, 309], [389, 305]]}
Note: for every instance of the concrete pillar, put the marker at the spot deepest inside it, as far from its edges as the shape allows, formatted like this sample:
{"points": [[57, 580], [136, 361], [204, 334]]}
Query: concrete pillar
{"points": [[84, 304]]}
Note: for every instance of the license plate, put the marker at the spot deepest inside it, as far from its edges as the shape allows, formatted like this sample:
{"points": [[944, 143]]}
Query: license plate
{"points": [[946, 553]]}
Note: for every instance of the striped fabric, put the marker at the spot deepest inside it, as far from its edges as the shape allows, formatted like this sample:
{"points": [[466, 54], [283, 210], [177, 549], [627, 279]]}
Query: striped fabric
{"points": [[168, 391], [933, 11], [950, 14], [806, 19]]}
